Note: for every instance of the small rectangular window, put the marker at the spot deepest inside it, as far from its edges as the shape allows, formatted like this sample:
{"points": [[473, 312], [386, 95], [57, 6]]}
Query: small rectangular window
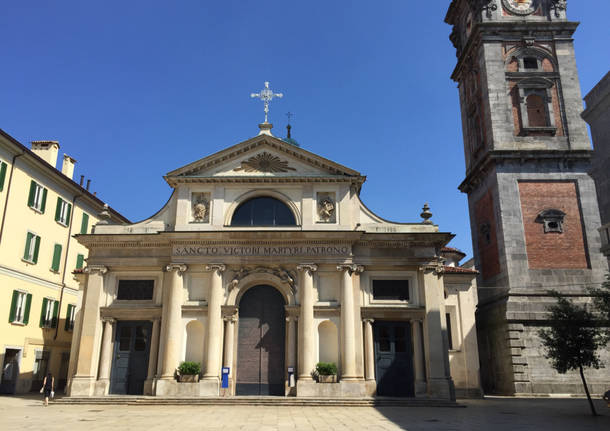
{"points": [[20, 307], [84, 225], [70, 316], [56, 262], [49, 312], [135, 290], [62, 212], [32, 246], [395, 290], [37, 198], [530, 63], [449, 334]]}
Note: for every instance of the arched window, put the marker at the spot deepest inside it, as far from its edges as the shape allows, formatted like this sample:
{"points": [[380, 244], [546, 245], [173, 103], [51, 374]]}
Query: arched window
{"points": [[263, 211]]}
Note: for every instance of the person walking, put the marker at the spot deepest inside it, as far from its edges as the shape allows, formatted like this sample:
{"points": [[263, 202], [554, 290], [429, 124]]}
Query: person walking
{"points": [[47, 388]]}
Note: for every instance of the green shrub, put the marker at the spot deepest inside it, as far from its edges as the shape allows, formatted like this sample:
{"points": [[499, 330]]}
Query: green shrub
{"points": [[189, 368], [326, 368]]}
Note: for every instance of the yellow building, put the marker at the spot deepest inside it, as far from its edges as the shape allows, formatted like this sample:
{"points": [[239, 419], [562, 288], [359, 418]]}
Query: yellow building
{"points": [[41, 208]]}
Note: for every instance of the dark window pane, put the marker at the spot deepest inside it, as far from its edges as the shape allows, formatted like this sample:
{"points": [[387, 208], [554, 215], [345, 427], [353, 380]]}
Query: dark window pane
{"points": [[449, 335], [264, 211], [135, 289], [384, 339], [125, 338], [391, 289], [530, 63], [400, 340], [141, 335]]}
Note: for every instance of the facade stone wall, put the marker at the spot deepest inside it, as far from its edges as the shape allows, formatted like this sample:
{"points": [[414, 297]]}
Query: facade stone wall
{"points": [[487, 236], [560, 250]]}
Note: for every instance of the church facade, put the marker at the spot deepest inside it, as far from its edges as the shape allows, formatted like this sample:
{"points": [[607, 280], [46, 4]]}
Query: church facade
{"points": [[263, 263]]}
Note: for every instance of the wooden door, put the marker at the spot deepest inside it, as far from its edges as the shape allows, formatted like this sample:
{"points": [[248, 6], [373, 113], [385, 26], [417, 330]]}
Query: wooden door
{"points": [[261, 335], [394, 359], [130, 362]]}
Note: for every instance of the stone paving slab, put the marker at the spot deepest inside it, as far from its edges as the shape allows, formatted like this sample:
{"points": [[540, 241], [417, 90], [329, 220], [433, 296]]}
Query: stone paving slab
{"points": [[496, 414]]}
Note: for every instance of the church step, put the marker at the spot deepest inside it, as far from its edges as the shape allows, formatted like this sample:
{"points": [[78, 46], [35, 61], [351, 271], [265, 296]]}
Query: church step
{"points": [[259, 401]]}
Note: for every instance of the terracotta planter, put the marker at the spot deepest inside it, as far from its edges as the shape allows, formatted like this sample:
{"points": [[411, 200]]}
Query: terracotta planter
{"points": [[189, 378], [327, 379]]}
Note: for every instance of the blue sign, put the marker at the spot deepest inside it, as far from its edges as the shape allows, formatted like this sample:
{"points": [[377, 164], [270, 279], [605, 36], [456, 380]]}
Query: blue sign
{"points": [[225, 377]]}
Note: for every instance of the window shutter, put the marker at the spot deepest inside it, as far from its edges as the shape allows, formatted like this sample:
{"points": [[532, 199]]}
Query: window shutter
{"points": [[28, 239], [84, 224], [67, 323], [80, 260], [2, 175], [43, 311], [32, 193], [36, 248], [26, 313], [68, 214], [55, 314], [11, 316], [56, 257], [58, 209], [43, 203]]}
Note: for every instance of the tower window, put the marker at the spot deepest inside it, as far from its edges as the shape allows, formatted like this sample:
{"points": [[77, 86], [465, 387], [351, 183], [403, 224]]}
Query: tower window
{"points": [[536, 111], [485, 230], [530, 63], [552, 219]]}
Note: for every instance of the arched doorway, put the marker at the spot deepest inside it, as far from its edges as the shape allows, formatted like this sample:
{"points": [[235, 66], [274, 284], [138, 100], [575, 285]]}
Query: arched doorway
{"points": [[261, 336]]}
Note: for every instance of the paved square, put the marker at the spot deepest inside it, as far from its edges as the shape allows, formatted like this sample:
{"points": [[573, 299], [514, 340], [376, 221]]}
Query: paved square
{"points": [[495, 414]]}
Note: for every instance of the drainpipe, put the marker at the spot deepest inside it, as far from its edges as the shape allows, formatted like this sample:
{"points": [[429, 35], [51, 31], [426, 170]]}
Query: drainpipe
{"points": [[8, 190], [63, 275]]}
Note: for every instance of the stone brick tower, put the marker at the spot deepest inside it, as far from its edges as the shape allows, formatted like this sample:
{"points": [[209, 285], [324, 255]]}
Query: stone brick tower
{"points": [[533, 207]]}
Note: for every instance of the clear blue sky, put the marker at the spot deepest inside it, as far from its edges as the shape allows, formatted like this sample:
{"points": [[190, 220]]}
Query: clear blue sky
{"points": [[134, 89]]}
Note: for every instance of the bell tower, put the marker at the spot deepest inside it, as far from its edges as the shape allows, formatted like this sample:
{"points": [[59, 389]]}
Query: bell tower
{"points": [[533, 208]]}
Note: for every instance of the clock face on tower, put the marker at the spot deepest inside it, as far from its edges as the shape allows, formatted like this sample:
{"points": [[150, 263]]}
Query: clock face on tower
{"points": [[520, 7]]}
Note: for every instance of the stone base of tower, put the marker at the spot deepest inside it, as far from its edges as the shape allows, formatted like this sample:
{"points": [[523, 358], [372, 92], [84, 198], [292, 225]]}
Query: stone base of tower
{"points": [[513, 358]]}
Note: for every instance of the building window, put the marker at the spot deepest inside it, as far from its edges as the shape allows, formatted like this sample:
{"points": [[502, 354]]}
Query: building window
{"points": [[536, 106], [48, 315], [449, 334], [2, 175], [20, 307], [41, 362], [70, 316], [62, 212], [84, 225], [32, 246], [138, 290], [485, 230], [552, 220], [263, 211], [56, 262], [536, 111], [37, 199], [530, 63], [80, 261], [391, 290]]}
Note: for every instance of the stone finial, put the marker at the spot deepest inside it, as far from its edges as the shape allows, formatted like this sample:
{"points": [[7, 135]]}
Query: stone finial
{"points": [[426, 214], [104, 215]]}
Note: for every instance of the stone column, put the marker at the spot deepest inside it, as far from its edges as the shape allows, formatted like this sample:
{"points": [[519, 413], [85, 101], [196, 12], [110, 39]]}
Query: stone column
{"points": [[90, 333], [292, 341], [229, 334], [369, 350], [348, 329], [172, 302], [214, 335], [439, 382], [306, 326], [419, 364], [107, 349], [154, 349]]}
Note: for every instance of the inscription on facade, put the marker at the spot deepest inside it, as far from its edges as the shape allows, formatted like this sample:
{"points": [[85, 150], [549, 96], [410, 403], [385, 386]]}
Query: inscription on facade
{"points": [[305, 250]]}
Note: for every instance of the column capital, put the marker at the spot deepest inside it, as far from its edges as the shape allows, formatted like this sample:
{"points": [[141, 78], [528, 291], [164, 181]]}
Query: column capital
{"points": [[110, 320], [310, 268], [436, 267], [368, 320], [180, 267], [92, 269], [351, 268], [218, 267]]}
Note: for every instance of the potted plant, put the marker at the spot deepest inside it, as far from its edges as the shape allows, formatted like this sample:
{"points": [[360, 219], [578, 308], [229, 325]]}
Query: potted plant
{"points": [[189, 372], [327, 372]]}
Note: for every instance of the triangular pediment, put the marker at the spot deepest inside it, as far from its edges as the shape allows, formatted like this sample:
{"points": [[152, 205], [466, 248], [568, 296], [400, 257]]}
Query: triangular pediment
{"points": [[262, 156]]}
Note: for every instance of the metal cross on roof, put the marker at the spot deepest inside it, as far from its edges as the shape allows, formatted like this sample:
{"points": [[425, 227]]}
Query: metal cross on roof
{"points": [[266, 95]]}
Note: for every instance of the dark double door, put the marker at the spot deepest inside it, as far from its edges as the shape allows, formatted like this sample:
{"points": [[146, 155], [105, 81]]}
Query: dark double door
{"points": [[130, 360], [261, 339], [394, 359]]}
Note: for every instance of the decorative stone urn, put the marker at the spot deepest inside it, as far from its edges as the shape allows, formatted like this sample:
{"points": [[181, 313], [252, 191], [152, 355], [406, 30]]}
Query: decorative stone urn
{"points": [[189, 378], [331, 378]]}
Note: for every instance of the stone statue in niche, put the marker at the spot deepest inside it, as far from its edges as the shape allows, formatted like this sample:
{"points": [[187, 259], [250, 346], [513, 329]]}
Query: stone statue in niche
{"points": [[326, 208], [201, 208]]}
